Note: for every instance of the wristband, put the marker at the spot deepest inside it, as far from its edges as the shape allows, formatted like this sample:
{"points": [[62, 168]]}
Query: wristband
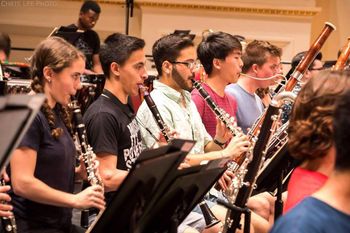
{"points": [[219, 143]]}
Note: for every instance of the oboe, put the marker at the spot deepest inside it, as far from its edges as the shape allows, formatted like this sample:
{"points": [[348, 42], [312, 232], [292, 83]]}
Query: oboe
{"points": [[8, 223]]}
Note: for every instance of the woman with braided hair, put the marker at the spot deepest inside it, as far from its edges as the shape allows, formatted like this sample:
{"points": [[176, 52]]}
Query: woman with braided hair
{"points": [[311, 134], [42, 168]]}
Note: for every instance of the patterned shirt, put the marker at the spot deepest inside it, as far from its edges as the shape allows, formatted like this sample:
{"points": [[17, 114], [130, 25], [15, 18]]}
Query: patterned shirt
{"points": [[186, 121]]}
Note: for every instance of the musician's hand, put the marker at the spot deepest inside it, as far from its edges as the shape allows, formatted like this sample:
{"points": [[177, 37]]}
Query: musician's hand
{"points": [[162, 140], [5, 176], [223, 134], [225, 180], [5, 209], [184, 164], [237, 146], [86, 71], [92, 196]]}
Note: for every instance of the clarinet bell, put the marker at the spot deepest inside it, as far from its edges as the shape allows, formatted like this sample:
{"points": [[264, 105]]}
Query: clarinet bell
{"points": [[209, 217]]}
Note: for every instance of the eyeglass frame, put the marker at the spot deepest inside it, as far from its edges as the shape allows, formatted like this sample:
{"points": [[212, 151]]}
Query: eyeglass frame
{"points": [[317, 69], [190, 65]]}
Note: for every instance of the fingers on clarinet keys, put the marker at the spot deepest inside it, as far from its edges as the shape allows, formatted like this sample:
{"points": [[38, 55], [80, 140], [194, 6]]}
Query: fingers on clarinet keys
{"points": [[92, 196], [237, 146]]}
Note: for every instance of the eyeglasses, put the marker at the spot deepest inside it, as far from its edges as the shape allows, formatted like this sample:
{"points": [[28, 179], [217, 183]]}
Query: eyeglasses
{"points": [[190, 65], [320, 68]]}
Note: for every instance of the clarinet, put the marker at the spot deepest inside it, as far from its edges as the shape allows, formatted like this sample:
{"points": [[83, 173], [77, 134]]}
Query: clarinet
{"points": [[209, 217], [86, 154], [164, 129], [220, 113], [8, 223]]}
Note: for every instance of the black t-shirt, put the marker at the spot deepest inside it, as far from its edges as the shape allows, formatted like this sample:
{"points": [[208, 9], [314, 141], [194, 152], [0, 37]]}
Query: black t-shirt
{"points": [[112, 128], [55, 166], [89, 44]]}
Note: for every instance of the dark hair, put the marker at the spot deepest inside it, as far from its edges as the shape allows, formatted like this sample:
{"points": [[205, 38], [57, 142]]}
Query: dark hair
{"points": [[168, 48], [257, 52], [216, 45], [57, 54], [297, 59], [90, 5], [310, 129], [341, 126], [5, 43], [118, 48]]}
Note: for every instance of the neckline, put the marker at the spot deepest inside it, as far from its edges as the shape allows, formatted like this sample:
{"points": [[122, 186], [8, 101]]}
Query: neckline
{"points": [[125, 108]]}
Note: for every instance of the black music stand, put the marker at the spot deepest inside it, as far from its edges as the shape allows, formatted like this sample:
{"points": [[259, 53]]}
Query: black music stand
{"points": [[185, 190], [267, 179], [133, 196], [16, 115]]}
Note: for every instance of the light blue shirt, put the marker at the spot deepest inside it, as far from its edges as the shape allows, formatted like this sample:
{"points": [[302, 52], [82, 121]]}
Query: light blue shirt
{"points": [[249, 106], [186, 121]]}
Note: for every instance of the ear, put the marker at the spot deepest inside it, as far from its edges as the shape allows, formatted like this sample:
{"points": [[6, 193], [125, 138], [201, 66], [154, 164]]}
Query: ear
{"points": [[167, 67], [48, 74], [115, 69], [255, 68], [217, 63]]}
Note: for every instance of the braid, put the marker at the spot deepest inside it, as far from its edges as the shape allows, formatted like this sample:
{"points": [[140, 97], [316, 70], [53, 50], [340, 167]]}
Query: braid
{"points": [[45, 108]]}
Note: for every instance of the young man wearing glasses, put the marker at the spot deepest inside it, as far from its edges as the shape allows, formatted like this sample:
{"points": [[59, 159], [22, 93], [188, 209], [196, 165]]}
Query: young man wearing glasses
{"points": [[175, 59], [315, 67]]}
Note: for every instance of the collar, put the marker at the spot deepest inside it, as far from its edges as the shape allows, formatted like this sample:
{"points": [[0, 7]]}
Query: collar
{"points": [[172, 93]]}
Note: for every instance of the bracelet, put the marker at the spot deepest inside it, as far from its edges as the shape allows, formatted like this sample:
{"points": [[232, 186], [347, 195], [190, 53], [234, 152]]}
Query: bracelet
{"points": [[219, 143]]}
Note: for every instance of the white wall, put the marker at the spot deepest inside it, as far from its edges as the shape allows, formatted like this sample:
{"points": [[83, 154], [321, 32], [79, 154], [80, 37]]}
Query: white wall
{"points": [[286, 23]]}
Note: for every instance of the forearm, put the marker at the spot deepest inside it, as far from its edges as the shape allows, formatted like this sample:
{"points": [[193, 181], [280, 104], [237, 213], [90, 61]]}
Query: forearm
{"points": [[113, 179], [37, 191], [212, 146], [196, 159]]}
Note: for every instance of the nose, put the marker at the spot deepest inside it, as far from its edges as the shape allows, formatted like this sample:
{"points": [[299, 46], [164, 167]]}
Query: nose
{"points": [[144, 74], [241, 63], [78, 85]]}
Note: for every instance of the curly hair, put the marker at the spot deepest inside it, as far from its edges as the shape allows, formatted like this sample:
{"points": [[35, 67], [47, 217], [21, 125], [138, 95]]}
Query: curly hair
{"points": [[57, 54], [310, 130]]}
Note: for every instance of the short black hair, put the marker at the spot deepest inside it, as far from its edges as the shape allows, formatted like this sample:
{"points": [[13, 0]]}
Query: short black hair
{"points": [[341, 125], [5, 43], [168, 48], [117, 48], [90, 5], [216, 45], [297, 59]]}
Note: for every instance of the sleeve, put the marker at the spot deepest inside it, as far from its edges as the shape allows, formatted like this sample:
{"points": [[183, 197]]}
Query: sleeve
{"points": [[148, 126], [96, 48], [34, 134], [198, 101], [102, 133], [233, 103]]}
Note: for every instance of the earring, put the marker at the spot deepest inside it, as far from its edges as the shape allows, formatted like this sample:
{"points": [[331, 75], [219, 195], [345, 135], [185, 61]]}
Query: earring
{"points": [[49, 80]]}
